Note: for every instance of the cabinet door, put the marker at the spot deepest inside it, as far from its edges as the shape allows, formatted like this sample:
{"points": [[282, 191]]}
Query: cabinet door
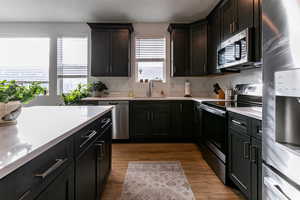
{"points": [[188, 120], [100, 59], [239, 161], [62, 188], [120, 48], [229, 15], [198, 50], [141, 123], [86, 175], [160, 121], [214, 39], [180, 57], [256, 170], [244, 14]]}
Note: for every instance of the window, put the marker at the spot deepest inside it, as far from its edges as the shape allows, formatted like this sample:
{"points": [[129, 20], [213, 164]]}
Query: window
{"points": [[150, 58], [72, 63], [25, 59]]}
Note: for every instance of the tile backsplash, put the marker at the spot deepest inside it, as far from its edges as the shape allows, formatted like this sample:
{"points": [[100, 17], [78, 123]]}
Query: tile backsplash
{"points": [[200, 86]]}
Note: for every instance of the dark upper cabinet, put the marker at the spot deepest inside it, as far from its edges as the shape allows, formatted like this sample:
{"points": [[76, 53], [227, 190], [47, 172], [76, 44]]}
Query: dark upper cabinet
{"points": [[110, 49], [228, 18], [244, 18], [188, 49], [180, 50], [240, 165], [214, 40], [198, 49]]}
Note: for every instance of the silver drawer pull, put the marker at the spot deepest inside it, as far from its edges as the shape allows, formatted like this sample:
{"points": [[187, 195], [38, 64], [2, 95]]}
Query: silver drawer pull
{"points": [[25, 195], [88, 138], [238, 123], [105, 122], [56, 165], [259, 131]]}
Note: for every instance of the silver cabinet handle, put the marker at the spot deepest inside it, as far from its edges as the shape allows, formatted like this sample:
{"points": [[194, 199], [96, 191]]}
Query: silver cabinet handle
{"points": [[253, 154], [259, 131], [105, 122], [100, 148], [246, 150], [56, 165], [88, 138], [24, 195], [238, 123], [275, 188]]}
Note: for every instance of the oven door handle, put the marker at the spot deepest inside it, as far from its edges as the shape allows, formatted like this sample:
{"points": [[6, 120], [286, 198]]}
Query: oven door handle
{"points": [[212, 110]]}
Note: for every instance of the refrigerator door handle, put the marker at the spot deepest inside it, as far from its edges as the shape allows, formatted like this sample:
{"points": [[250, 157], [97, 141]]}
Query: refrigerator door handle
{"points": [[275, 188]]}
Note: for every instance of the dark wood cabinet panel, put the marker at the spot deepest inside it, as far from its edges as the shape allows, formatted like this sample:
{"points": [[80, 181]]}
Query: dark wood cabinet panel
{"points": [[214, 40], [228, 18], [100, 59], [256, 170], [199, 49], [62, 188], [110, 49], [120, 53], [239, 164], [245, 12], [85, 172], [180, 52], [160, 120]]}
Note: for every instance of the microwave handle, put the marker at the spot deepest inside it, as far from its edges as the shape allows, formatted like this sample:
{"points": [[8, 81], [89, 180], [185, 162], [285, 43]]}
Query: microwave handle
{"points": [[239, 57]]}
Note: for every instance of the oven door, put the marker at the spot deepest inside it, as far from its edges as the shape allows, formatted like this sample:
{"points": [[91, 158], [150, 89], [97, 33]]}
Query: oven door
{"points": [[214, 130]]}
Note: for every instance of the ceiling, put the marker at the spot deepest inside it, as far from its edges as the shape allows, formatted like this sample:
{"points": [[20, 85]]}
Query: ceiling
{"points": [[105, 10]]}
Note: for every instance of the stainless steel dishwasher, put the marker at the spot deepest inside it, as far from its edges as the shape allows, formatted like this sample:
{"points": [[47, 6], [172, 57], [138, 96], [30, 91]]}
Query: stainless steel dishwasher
{"points": [[120, 117]]}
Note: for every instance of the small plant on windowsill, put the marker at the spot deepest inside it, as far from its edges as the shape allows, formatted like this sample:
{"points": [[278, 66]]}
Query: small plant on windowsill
{"points": [[12, 96], [99, 89], [74, 97]]}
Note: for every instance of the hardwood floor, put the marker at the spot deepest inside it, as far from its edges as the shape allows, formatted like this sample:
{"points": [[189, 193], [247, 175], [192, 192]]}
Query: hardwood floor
{"points": [[204, 182]]}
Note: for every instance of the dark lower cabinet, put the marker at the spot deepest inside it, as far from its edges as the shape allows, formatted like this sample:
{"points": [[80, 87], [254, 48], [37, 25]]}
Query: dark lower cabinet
{"points": [[62, 188], [240, 165], [162, 120], [244, 155], [85, 172], [256, 170]]}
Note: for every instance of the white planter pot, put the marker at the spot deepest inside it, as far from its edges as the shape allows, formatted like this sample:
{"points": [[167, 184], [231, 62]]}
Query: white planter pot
{"points": [[9, 112]]}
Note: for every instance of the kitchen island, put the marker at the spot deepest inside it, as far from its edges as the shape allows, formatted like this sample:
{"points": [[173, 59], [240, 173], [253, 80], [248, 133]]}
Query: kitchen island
{"points": [[47, 147]]}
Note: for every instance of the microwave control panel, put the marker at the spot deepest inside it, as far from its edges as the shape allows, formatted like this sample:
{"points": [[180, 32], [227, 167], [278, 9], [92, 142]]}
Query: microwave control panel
{"points": [[287, 83]]}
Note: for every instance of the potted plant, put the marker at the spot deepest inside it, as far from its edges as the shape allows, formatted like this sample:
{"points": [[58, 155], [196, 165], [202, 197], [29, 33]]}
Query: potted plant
{"points": [[98, 89], [74, 97], [12, 96]]}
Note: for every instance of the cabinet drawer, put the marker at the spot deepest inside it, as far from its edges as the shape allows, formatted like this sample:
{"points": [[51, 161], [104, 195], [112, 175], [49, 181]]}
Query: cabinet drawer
{"points": [[88, 134], [29, 180], [256, 129], [239, 123]]}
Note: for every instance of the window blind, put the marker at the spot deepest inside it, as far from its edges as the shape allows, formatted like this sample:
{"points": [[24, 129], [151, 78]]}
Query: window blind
{"points": [[150, 48], [72, 59]]}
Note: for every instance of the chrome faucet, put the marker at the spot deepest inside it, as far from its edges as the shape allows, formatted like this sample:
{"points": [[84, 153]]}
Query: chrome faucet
{"points": [[150, 87]]}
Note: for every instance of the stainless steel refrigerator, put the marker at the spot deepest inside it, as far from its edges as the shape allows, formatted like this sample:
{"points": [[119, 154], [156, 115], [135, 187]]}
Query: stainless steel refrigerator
{"points": [[281, 100]]}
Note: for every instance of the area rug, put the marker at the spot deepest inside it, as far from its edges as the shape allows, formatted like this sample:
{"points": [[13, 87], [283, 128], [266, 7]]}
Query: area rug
{"points": [[156, 181]]}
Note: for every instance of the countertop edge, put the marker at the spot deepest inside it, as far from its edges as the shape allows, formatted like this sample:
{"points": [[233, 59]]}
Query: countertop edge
{"points": [[35, 153], [248, 113]]}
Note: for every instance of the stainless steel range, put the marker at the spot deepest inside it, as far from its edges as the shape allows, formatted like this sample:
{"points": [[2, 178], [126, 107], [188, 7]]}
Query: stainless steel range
{"points": [[214, 125]]}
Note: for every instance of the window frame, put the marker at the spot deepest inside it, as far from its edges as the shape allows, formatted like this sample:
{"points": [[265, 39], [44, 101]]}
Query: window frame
{"points": [[59, 78], [137, 60]]}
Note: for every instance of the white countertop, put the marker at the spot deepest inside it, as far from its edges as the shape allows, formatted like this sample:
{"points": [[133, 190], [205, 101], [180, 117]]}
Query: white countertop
{"points": [[40, 128], [198, 99], [254, 112]]}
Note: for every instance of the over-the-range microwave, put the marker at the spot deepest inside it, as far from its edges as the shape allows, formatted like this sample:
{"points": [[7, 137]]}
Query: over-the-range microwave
{"points": [[236, 53]]}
